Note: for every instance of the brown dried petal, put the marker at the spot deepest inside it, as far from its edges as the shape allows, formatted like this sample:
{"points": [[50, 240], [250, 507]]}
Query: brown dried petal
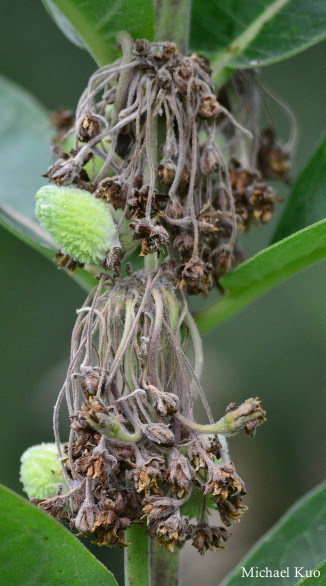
{"points": [[156, 508], [165, 403], [231, 510], [88, 128], [180, 474], [172, 531], [205, 537], [209, 160], [166, 172], [223, 482], [112, 261], [89, 382], [86, 518], [113, 190]]}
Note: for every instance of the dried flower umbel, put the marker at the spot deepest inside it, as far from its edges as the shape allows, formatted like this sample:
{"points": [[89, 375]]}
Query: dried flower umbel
{"points": [[156, 148], [152, 140], [135, 452]]}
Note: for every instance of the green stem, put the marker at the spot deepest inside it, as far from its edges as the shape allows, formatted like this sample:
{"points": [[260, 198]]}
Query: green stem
{"points": [[164, 566], [126, 43], [173, 22], [137, 556]]}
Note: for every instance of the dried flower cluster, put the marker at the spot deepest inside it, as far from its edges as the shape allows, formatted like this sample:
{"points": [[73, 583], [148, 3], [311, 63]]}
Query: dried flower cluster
{"points": [[177, 166], [135, 452], [152, 140]]}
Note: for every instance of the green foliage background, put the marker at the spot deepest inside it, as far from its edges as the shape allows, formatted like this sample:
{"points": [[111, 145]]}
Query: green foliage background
{"points": [[274, 348]]}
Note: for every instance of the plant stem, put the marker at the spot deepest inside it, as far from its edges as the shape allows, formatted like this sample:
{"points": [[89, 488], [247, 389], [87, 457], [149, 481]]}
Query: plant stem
{"points": [[164, 567], [126, 43], [158, 567], [173, 22], [137, 556]]}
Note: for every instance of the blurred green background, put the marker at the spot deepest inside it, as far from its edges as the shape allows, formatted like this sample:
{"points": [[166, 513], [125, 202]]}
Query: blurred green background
{"points": [[275, 348]]}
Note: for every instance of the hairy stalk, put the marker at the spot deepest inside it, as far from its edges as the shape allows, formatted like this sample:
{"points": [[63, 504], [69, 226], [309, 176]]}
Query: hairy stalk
{"points": [[126, 43], [165, 567], [173, 22], [136, 558]]}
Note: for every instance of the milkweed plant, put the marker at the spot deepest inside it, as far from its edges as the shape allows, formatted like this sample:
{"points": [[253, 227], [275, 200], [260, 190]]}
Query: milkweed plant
{"points": [[170, 155]]}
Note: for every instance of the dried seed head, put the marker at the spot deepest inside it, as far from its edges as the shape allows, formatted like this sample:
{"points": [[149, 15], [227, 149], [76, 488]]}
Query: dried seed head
{"points": [[196, 275], [199, 451], [112, 261], [273, 160]]}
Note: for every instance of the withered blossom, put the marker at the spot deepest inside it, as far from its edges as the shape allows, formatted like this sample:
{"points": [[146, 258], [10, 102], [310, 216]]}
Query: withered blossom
{"points": [[195, 196], [179, 472], [206, 538], [222, 482], [135, 453], [172, 532]]}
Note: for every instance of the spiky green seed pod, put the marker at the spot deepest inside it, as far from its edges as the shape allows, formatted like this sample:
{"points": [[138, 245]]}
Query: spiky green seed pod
{"points": [[78, 222], [40, 471]]}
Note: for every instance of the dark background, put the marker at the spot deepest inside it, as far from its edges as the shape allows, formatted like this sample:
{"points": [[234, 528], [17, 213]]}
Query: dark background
{"points": [[275, 348]]}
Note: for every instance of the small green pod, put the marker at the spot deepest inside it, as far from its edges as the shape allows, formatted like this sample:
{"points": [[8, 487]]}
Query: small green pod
{"points": [[40, 471], [79, 223]]}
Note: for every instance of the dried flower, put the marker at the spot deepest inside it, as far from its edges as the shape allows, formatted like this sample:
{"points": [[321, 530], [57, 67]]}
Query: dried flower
{"points": [[205, 537], [180, 474], [135, 451]]}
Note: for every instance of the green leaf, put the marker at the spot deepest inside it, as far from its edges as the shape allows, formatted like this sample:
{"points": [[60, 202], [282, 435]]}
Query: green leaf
{"points": [[318, 576], [93, 24], [36, 550], [239, 34], [307, 201], [193, 507], [298, 540], [265, 270], [25, 139], [24, 152]]}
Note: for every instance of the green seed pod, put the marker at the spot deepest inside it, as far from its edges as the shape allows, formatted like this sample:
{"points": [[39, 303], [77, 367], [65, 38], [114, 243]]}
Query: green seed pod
{"points": [[78, 222], [40, 471]]}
